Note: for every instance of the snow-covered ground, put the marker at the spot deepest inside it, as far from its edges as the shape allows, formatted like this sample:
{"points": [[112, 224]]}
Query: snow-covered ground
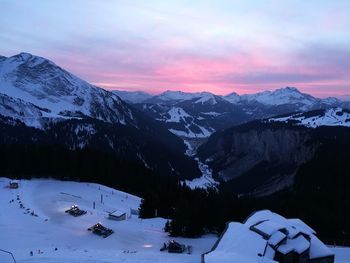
{"points": [[342, 254], [134, 240], [331, 117], [206, 180]]}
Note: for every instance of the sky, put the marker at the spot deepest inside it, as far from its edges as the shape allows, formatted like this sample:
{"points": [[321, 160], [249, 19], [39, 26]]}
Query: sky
{"points": [[219, 46]]}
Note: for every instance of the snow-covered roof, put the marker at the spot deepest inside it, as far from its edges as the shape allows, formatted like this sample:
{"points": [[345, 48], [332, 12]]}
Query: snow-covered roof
{"points": [[318, 249], [14, 181], [299, 244], [269, 222], [117, 213], [263, 234], [276, 238], [239, 243]]}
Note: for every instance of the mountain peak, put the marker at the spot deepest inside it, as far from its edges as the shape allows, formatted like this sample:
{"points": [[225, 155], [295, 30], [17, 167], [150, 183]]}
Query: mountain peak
{"points": [[287, 90], [232, 97], [232, 94], [133, 96], [27, 58], [292, 89], [23, 56]]}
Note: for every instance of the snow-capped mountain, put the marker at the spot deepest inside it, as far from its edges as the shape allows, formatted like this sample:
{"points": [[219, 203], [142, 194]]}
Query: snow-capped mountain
{"points": [[174, 96], [314, 119], [278, 97], [57, 92], [195, 115], [198, 115], [233, 98], [43, 103], [288, 95], [132, 96]]}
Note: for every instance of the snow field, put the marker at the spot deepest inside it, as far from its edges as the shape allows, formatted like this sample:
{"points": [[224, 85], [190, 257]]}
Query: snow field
{"points": [[134, 240]]}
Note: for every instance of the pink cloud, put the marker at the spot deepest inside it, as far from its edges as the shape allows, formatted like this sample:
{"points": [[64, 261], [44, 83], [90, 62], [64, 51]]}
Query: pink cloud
{"points": [[156, 69]]}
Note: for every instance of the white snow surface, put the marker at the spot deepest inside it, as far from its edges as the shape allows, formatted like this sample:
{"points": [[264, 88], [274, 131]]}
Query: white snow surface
{"points": [[204, 133], [233, 98], [177, 114], [206, 97], [238, 243], [176, 95], [206, 180], [133, 240], [331, 117], [201, 97]]}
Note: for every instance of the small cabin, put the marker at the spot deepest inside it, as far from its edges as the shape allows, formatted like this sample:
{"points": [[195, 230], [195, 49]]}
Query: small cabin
{"points": [[13, 185], [118, 215]]}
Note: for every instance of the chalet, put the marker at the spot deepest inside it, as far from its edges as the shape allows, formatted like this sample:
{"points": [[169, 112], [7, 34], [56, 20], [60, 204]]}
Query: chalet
{"points": [[267, 236], [118, 215], [13, 184]]}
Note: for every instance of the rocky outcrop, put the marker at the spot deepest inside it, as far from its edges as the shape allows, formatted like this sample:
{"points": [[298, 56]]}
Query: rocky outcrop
{"points": [[260, 156]]}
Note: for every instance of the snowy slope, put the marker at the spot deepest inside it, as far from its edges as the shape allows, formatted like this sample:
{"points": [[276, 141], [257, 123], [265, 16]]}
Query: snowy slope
{"points": [[232, 97], [193, 115], [330, 117], [44, 84], [132, 96], [176, 95], [206, 180], [24, 111], [134, 240], [176, 115]]}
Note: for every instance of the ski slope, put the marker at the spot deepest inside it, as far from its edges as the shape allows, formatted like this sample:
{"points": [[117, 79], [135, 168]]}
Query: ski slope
{"points": [[134, 240]]}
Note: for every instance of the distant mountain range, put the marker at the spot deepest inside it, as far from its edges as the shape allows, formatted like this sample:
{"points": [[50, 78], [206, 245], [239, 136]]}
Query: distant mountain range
{"points": [[198, 115]]}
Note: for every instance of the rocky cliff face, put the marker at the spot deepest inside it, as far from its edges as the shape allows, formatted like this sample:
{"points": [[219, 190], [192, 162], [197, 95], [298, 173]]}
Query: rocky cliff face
{"points": [[252, 159]]}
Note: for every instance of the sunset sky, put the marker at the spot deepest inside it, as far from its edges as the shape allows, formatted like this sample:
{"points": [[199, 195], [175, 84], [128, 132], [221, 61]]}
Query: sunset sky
{"points": [[217, 46]]}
